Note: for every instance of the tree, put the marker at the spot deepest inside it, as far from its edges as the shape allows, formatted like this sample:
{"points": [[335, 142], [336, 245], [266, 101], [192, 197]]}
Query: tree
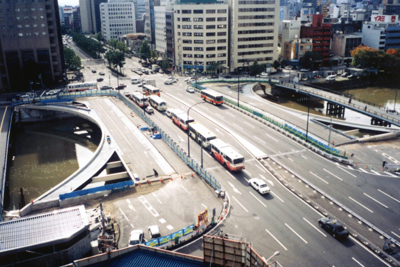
{"points": [[121, 47], [113, 43], [276, 64], [99, 37], [153, 56], [256, 68], [165, 64], [144, 52], [73, 61], [365, 57], [115, 59]]}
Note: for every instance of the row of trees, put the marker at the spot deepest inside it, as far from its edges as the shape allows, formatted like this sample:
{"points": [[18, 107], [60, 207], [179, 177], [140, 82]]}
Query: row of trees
{"points": [[89, 45], [71, 59], [145, 53], [367, 57], [115, 59]]}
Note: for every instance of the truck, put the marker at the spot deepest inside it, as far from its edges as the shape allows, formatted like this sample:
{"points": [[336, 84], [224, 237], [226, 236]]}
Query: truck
{"points": [[151, 82]]}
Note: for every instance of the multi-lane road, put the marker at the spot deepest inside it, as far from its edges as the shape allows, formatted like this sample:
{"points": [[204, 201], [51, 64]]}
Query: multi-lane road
{"points": [[280, 221]]}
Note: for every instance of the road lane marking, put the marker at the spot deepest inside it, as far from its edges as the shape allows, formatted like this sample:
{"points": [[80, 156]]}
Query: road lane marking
{"points": [[164, 192], [304, 157], [361, 169], [2, 120], [259, 140], [313, 226], [162, 220], [395, 234], [347, 171], [275, 239], [237, 126], [247, 172], [157, 198], [240, 203], [350, 168], [272, 138], [260, 168], [276, 196], [185, 189], [204, 205], [377, 173], [221, 117], [230, 114], [333, 174], [125, 216], [290, 159], [361, 205], [390, 174], [234, 188], [376, 200], [130, 205], [230, 174], [357, 262], [296, 233], [386, 194], [219, 131], [319, 177], [258, 199], [250, 125], [148, 206]]}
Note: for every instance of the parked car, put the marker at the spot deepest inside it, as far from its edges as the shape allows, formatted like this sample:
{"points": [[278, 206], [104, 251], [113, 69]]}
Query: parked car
{"points": [[288, 67], [154, 231], [259, 185], [304, 70], [190, 90], [149, 110], [161, 71], [93, 71], [345, 74], [168, 81], [100, 79], [120, 87], [145, 71], [351, 76], [106, 87], [333, 227], [101, 73], [189, 79], [331, 78], [136, 237]]}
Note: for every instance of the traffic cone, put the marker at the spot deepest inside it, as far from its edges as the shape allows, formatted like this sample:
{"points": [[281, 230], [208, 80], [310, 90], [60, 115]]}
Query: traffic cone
{"points": [[139, 184], [172, 178], [192, 174], [181, 176], [31, 200], [161, 179], [148, 181]]}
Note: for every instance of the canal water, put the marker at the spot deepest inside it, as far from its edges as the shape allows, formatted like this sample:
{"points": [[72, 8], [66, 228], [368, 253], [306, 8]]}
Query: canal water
{"points": [[42, 154]]}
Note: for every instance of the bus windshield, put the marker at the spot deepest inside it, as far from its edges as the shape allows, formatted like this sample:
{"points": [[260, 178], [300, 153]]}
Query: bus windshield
{"points": [[238, 161]]}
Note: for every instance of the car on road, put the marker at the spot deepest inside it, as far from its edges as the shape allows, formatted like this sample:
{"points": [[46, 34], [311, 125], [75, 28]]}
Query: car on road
{"points": [[101, 73], [100, 79], [259, 185], [333, 227], [149, 110], [304, 70], [331, 78], [136, 237], [351, 76], [120, 87], [189, 79], [106, 87], [93, 71], [190, 90], [168, 112], [154, 231], [52, 92], [168, 82], [145, 71], [161, 71], [288, 67], [345, 74]]}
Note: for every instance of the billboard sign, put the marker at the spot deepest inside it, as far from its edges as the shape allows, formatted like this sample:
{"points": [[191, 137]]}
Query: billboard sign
{"points": [[384, 18]]}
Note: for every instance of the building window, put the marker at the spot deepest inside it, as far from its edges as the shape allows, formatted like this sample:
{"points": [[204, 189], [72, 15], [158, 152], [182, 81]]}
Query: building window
{"points": [[220, 41], [210, 42], [198, 11], [221, 19], [198, 34], [187, 48], [210, 56], [186, 19], [221, 11], [186, 26], [185, 11], [221, 26], [210, 27], [198, 27], [197, 19], [222, 34], [198, 49], [186, 34], [198, 41], [210, 11], [198, 56], [210, 34], [222, 55], [221, 47], [187, 41], [210, 19]]}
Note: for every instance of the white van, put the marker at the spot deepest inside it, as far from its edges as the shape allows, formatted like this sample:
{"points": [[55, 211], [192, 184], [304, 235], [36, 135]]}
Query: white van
{"points": [[331, 78], [135, 80]]}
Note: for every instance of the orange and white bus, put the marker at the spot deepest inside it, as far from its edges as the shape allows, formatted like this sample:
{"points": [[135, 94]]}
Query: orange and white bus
{"points": [[201, 134], [150, 90], [157, 103], [228, 156], [212, 97], [181, 119], [77, 87], [140, 99]]}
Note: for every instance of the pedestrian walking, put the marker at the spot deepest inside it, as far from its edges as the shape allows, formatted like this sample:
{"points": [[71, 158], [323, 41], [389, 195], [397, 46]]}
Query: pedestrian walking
{"points": [[365, 108], [155, 173]]}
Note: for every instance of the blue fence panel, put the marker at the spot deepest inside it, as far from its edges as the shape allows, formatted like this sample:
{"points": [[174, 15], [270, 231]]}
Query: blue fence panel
{"points": [[188, 229]]}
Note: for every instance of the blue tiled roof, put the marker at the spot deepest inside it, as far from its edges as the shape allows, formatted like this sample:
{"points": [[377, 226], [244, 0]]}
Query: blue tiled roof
{"points": [[144, 258]]}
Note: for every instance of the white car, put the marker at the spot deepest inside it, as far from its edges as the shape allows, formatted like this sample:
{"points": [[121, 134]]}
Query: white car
{"points": [[168, 81], [154, 231], [168, 112], [149, 110], [136, 237], [190, 90], [259, 185], [345, 74], [189, 79], [331, 78]]}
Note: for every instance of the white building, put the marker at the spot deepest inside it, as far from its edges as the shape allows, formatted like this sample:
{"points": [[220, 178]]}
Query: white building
{"points": [[381, 32], [160, 19], [290, 31], [254, 32], [117, 19], [140, 8], [201, 35]]}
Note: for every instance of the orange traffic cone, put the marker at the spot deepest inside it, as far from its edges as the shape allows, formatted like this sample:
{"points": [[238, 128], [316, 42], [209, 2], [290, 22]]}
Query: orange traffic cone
{"points": [[148, 181], [161, 179], [172, 178], [192, 174], [181, 176]]}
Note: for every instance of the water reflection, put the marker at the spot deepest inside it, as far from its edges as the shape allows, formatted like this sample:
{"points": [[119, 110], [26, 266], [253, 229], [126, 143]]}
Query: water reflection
{"points": [[43, 154]]}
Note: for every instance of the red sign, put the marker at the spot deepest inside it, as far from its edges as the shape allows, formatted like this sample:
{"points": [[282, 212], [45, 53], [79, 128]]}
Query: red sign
{"points": [[384, 18]]}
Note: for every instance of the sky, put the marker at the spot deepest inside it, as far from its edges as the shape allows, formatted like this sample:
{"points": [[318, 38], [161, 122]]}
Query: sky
{"points": [[68, 2]]}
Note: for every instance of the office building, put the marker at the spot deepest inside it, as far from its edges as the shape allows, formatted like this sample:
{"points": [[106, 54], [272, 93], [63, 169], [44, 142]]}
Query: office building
{"points": [[296, 49], [164, 30], [149, 25], [382, 32], [90, 15], [31, 47], [290, 31], [342, 44]]}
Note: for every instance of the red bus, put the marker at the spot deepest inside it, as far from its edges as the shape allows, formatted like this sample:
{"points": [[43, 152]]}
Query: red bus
{"points": [[226, 155], [151, 90], [181, 119], [78, 87], [212, 97], [140, 99]]}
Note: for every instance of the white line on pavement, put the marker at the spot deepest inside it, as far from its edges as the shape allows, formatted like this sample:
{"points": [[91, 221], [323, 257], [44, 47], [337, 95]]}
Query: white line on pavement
{"points": [[230, 114], [164, 192], [304, 157], [219, 131], [346, 171], [361, 169], [132, 226], [204, 205], [157, 198], [296, 233], [259, 139], [276, 196], [258, 199], [386, 194], [314, 227], [357, 262], [376, 200], [185, 189], [395, 234], [237, 126], [275, 239], [272, 138], [377, 173], [290, 159], [350, 168], [148, 206], [333, 174], [319, 177], [240, 204], [130, 205], [361, 205], [230, 174], [219, 116], [123, 214], [390, 174], [250, 125], [260, 168]]}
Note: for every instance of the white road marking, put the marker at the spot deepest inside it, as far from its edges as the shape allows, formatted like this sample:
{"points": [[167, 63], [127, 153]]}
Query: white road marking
{"points": [[237, 126], [258, 199], [377, 173], [148, 206], [250, 125], [290, 159], [276, 196], [361, 169], [219, 131], [304, 157], [260, 168], [350, 167], [247, 172], [240, 203], [123, 214], [269, 181], [361, 205], [390, 174], [272, 138], [204, 205], [319, 177], [132, 226], [162, 220], [234, 188], [170, 227], [259, 139], [314, 227], [220, 116], [164, 192], [157, 198], [395, 234], [230, 114], [296, 233], [386, 194], [346, 171], [181, 138], [130, 205], [333, 174], [275, 239], [357, 262], [185, 189], [376, 200], [231, 175]]}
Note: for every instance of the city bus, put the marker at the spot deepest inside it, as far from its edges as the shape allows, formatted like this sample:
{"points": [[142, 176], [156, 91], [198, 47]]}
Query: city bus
{"points": [[226, 155], [150, 90], [157, 103], [140, 99], [181, 119], [212, 97], [77, 87], [201, 134]]}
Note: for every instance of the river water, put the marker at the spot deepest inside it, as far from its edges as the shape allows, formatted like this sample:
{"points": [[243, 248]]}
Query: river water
{"points": [[42, 154]]}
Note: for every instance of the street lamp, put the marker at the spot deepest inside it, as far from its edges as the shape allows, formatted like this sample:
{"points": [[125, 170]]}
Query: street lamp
{"points": [[189, 134], [276, 253]]}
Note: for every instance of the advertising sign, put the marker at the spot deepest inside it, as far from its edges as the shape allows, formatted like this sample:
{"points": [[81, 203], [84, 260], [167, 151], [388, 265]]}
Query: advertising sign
{"points": [[384, 18], [188, 230]]}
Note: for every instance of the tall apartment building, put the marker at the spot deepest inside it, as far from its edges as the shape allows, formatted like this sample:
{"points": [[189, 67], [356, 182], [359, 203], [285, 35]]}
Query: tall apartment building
{"points": [[254, 31], [149, 25], [76, 19], [90, 15], [117, 19], [31, 45], [201, 34], [140, 6], [164, 29]]}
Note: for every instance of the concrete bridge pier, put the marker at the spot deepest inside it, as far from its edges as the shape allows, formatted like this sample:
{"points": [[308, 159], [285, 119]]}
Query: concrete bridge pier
{"points": [[335, 110], [379, 122]]}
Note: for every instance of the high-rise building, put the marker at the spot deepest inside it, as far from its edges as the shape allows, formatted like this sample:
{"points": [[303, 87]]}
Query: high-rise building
{"points": [[90, 15], [140, 6], [164, 23], [382, 32], [290, 31], [253, 32], [31, 49], [149, 26], [201, 35], [117, 19]]}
